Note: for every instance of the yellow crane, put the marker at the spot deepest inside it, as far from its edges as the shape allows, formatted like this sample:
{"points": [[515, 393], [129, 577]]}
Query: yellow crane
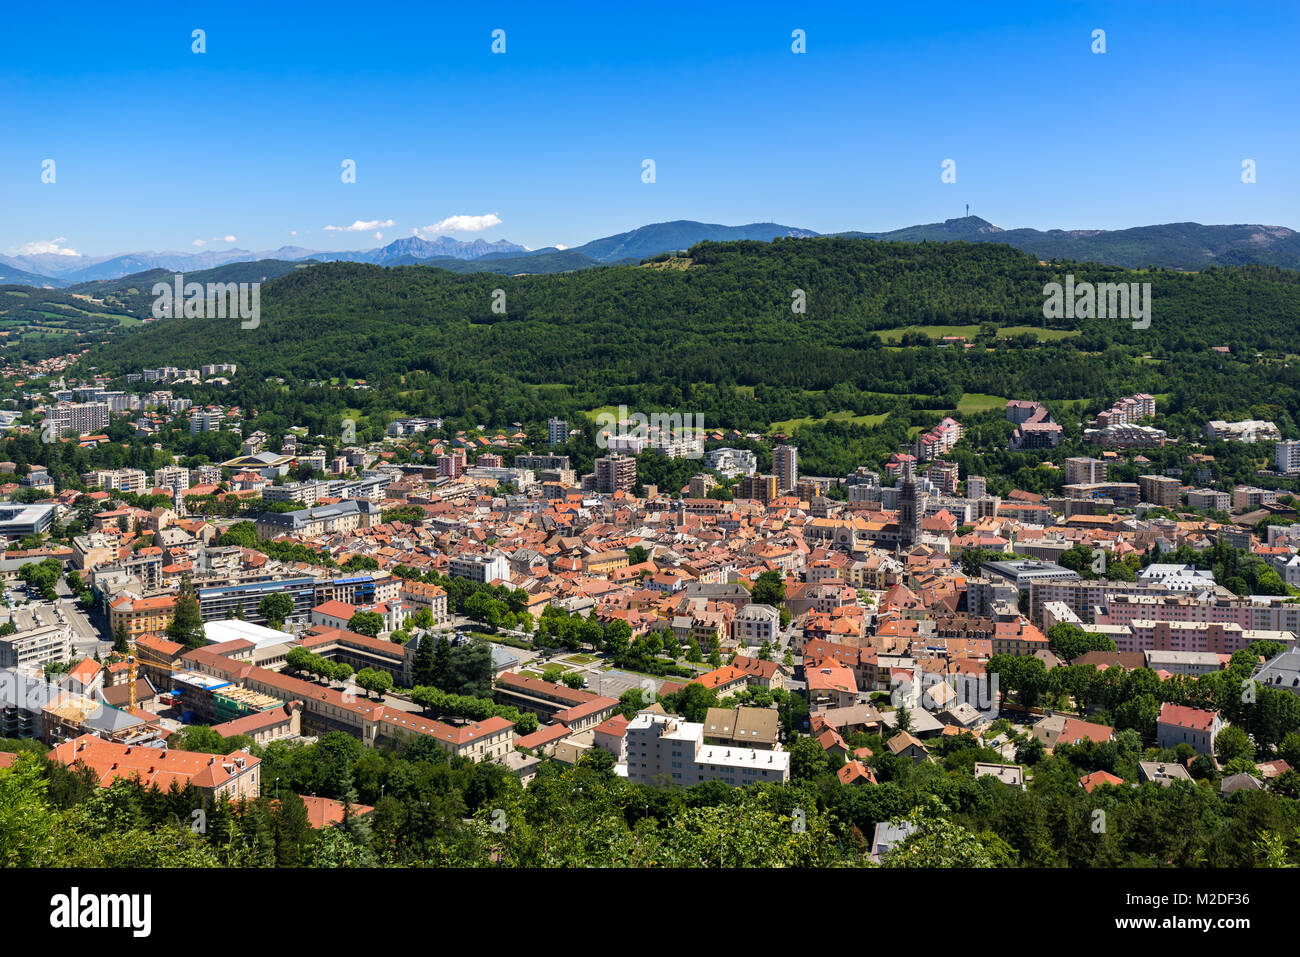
{"points": [[131, 659]]}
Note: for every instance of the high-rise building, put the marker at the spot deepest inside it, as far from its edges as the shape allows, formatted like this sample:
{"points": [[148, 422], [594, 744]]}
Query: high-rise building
{"points": [[202, 420], [1287, 457], [910, 513], [1160, 489], [1081, 470], [759, 488], [785, 466], [976, 487], [557, 431], [615, 473], [83, 418], [174, 477]]}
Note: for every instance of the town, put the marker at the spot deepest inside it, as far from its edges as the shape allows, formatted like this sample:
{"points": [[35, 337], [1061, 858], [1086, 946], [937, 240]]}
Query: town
{"points": [[472, 592]]}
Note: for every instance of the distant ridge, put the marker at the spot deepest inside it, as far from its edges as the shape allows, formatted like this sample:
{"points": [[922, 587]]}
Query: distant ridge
{"points": [[1188, 246], [1185, 246]]}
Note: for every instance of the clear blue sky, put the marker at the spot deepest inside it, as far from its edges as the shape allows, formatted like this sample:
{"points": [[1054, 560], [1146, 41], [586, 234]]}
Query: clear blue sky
{"points": [[157, 147]]}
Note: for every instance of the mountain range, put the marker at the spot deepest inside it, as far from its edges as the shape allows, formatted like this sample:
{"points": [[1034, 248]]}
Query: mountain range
{"points": [[1183, 246]]}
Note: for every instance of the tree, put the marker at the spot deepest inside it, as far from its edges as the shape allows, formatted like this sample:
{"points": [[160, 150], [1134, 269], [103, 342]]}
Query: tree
{"points": [[366, 623], [807, 760], [598, 760], [631, 701], [769, 589], [693, 701], [422, 668], [469, 669], [1232, 742], [292, 830], [374, 680], [186, 626], [275, 609]]}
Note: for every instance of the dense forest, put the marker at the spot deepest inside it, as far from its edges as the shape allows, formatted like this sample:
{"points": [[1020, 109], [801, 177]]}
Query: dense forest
{"points": [[714, 334]]}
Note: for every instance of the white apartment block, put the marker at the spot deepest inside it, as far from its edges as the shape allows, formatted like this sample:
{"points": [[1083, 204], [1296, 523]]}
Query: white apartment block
{"points": [[480, 569], [733, 462], [174, 477], [37, 647], [666, 748], [83, 418], [1286, 457], [118, 480]]}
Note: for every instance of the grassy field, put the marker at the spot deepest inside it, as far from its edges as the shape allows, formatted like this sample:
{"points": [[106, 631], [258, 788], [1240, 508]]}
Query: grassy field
{"points": [[789, 425], [938, 332], [978, 402]]}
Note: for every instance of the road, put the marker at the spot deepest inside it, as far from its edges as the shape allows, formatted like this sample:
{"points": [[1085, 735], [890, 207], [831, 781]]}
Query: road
{"points": [[86, 637]]}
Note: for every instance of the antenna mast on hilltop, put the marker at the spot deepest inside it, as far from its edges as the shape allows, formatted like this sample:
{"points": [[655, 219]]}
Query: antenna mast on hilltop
{"points": [[968, 209]]}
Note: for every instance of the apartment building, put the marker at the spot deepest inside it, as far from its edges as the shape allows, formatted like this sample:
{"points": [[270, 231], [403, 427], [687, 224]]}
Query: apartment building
{"points": [[36, 647], [665, 749], [1247, 498], [174, 477], [785, 466], [480, 568], [141, 616], [557, 431], [1160, 490], [615, 473], [1209, 498], [80, 417], [1082, 470], [118, 480], [760, 488], [755, 624], [1248, 431], [201, 420], [419, 595], [1286, 457], [1035, 427]]}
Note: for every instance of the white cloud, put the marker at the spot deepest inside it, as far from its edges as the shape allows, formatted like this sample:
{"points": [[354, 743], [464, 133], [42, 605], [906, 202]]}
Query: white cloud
{"points": [[227, 239], [293, 232], [51, 247], [459, 224], [200, 242], [362, 226], [214, 239], [379, 235]]}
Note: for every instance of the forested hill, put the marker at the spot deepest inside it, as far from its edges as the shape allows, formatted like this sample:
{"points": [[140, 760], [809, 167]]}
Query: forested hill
{"points": [[715, 333], [1187, 246]]}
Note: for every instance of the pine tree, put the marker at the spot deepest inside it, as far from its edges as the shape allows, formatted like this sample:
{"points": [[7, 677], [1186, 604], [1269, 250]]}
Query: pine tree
{"points": [[292, 830], [422, 669], [442, 662], [186, 626]]}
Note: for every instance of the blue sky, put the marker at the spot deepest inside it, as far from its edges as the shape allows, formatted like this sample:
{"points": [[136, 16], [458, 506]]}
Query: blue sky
{"points": [[157, 147]]}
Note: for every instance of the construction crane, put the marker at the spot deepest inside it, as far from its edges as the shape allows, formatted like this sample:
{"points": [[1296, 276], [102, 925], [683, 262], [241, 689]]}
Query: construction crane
{"points": [[132, 660]]}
